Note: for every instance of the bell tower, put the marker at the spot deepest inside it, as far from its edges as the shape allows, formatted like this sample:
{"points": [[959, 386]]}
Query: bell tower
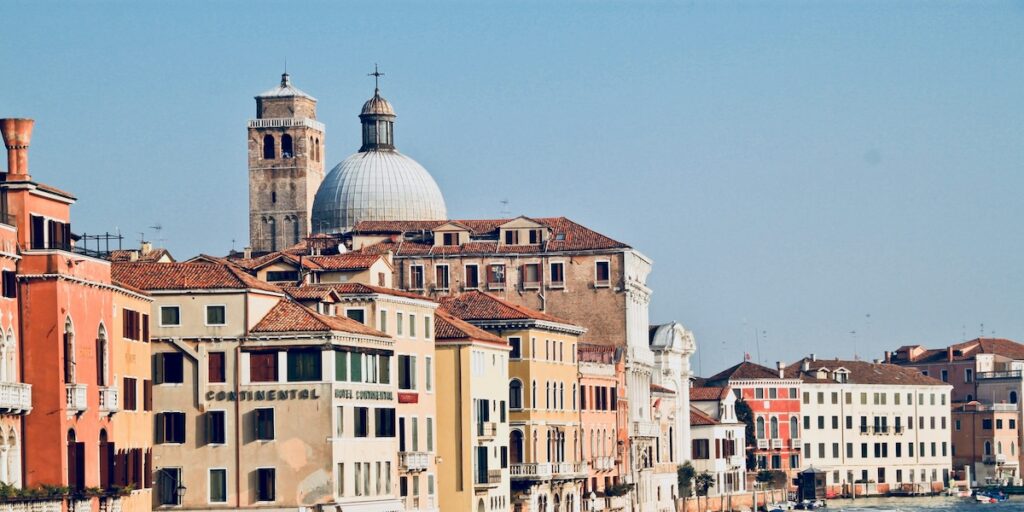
{"points": [[286, 166]]}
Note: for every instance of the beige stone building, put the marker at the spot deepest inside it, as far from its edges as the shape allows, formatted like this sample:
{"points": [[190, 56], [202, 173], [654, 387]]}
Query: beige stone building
{"points": [[986, 439], [472, 419]]}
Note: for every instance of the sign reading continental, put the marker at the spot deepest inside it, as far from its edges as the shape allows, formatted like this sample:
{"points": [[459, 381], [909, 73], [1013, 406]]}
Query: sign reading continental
{"points": [[295, 394]]}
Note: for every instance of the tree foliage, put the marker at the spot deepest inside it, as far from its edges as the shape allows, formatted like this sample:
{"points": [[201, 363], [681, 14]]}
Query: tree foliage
{"points": [[744, 414]]}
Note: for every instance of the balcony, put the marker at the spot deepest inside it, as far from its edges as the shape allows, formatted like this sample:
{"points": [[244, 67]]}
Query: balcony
{"points": [[569, 470], [1012, 374], [531, 471], [762, 444], [412, 462], [864, 429], [645, 429], [285, 122], [76, 397], [486, 429], [899, 429], [794, 443], [994, 459], [489, 480], [776, 444], [15, 398], [34, 505], [603, 463], [881, 430], [109, 400]]}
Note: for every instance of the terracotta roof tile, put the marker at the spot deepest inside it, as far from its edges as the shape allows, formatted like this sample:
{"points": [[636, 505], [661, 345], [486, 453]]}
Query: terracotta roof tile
{"points": [[697, 417], [152, 256], [744, 370], [365, 289], [347, 261], [708, 394], [862, 372], [476, 305], [661, 389], [447, 327], [287, 316], [185, 276]]}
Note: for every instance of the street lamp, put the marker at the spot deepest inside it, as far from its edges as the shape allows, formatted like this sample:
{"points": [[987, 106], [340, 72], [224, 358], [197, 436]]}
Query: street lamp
{"points": [[180, 491]]}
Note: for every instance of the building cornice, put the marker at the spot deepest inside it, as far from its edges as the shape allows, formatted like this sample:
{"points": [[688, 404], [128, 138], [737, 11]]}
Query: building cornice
{"points": [[85, 282]]}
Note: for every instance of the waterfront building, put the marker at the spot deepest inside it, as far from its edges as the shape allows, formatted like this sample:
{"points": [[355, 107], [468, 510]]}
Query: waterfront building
{"points": [[983, 369], [15, 394], [545, 453], [717, 444], [986, 438], [603, 422], [317, 260], [672, 346], [774, 401], [65, 300], [472, 418], [881, 427], [663, 454]]}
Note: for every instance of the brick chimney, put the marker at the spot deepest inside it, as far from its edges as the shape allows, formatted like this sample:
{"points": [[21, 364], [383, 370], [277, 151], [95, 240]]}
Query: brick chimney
{"points": [[17, 134], [782, 369]]}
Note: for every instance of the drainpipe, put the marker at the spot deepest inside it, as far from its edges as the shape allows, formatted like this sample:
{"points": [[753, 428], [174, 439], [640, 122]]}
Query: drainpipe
{"points": [[238, 413]]}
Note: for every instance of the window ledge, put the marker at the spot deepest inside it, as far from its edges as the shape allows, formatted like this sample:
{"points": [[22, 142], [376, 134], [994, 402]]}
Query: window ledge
{"points": [[556, 286]]}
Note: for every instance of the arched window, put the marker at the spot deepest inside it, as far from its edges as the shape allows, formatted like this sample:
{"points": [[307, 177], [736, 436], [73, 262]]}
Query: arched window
{"points": [[1013, 449], [286, 146], [5, 456], [13, 459], [515, 394], [102, 357], [295, 230], [547, 395], [268, 147], [760, 428], [533, 396], [999, 448], [317, 146], [547, 443], [76, 461], [106, 460], [561, 395], [312, 149], [1013, 397], [574, 396], [69, 353], [970, 397], [775, 427], [515, 445], [988, 447], [794, 427], [480, 506], [273, 233]]}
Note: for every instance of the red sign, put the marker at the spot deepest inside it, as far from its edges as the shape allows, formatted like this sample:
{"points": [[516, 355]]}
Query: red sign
{"points": [[408, 398]]}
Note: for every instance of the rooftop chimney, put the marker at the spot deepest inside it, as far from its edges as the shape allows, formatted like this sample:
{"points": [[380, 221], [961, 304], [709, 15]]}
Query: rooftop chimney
{"points": [[782, 369], [17, 133], [888, 357], [806, 366], [812, 357], [146, 247], [247, 253]]}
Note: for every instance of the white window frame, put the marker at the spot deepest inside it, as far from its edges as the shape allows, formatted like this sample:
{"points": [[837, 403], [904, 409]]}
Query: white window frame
{"points": [[428, 377], [209, 488], [448, 274], [561, 285], [605, 284], [206, 315], [422, 276], [496, 286], [412, 326], [161, 319], [181, 481], [428, 326], [382, 314], [532, 285], [363, 309]]}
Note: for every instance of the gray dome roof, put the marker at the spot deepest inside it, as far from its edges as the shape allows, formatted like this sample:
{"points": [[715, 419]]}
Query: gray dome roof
{"points": [[376, 185], [377, 105]]}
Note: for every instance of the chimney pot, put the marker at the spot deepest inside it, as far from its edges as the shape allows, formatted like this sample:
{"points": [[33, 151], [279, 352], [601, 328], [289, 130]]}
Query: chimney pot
{"points": [[888, 356], [806, 366], [782, 369], [813, 358], [146, 247], [247, 253], [17, 134]]}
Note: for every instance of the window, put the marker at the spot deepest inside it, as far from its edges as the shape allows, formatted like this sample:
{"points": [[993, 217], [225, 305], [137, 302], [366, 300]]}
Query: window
{"points": [[218, 486], [215, 367], [384, 422], [130, 394], [416, 277], [701, 449], [265, 488], [10, 284], [406, 372], [441, 277], [412, 325], [268, 147], [170, 428], [361, 421], [215, 427], [429, 367], [263, 423], [557, 270], [170, 316], [382, 316], [530, 275], [277, 276], [170, 368], [215, 315], [427, 328], [304, 365], [968, 375], [515, 394], [472, 277], [167, 486], [759, 393], [944, 375], [602, 273], [398, 322], [496, 276], [263, 367], [450, 239], [773, 393], [286, 146], [517, 349], [511, 237]]}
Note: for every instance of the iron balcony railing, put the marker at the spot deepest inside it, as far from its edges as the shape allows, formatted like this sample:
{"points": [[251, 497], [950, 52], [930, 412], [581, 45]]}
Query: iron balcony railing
{"points": [[1012, 374]]}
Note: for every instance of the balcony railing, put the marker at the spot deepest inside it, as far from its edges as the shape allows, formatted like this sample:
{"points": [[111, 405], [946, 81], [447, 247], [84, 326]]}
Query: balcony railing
{"points": [[530, 471], [486, 429], [864, 429], [1012, 374], [762, 444], [899, 429], [776, 444], [881, 430], [603, 463], [794, 443], [993, 459], [491, 479], [645, 429], [77, 398], [40, 505], [285, 122], [568, 468], [109, 400], [413, 461], [15, 397]]}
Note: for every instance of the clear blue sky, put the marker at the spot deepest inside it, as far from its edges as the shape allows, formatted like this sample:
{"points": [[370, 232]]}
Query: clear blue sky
{"points": [[791, 168]]}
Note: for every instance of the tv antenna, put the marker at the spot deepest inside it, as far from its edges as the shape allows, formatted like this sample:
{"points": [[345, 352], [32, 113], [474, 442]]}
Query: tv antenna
{"points": [[158, 227], [505, 212]]}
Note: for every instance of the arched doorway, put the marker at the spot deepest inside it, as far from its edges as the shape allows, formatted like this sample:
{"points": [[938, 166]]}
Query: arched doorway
{"points": [[516, 447], [76, 461]]}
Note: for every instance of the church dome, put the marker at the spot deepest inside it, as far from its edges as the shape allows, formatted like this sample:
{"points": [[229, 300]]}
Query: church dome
{"points": [[378, 182]]}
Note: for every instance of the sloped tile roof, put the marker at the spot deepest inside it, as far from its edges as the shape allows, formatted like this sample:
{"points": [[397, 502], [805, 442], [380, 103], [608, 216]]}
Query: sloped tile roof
{"points": [[744, 370], [308, 292], [698, 417], [287, 316], [447, 327], [347, 261], [365, 289], [185, 276], [661, 389], [477, 305], [566, 235], [862, 372], [708, 394], [152, 256], [969, 349]]}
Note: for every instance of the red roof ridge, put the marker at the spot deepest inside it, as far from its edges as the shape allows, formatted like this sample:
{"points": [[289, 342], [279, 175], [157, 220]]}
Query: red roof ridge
{"points": [[290, 316]]}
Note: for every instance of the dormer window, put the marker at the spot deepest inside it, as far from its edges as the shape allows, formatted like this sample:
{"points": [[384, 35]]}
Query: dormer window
{"points": [[450, 239], [511, 237], [535, 237]]}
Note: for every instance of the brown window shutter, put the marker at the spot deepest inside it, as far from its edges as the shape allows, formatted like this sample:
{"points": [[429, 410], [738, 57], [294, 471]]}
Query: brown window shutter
{"points": [[158, 424], [148, 469], [147, 395], [145, 328], [718, 448]]}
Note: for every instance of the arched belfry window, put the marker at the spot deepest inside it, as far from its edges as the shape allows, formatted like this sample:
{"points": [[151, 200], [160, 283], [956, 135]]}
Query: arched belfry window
{"points": [[286, 146], [69, 352], [102, 356], [317, 147], [295, 230], [273, 233], [268, 147]]}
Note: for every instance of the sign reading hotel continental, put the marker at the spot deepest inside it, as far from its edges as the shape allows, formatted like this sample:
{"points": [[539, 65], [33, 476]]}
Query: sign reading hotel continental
{"points": [[294, 394]]}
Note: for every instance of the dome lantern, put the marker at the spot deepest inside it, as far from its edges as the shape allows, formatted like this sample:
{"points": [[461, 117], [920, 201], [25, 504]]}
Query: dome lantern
{"points": [[378, 118]]}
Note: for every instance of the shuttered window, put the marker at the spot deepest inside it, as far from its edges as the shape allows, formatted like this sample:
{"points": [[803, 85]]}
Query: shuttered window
{"points": [[10, 284], [263, 366], [130, 394], [266, 488], [215, 427], [215, 367], [170, 428], [263, 421], [169, 368], [304, 365]]}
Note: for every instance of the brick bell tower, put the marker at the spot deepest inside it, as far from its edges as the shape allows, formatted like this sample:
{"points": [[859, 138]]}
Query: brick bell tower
{"points": [[286, 166]]}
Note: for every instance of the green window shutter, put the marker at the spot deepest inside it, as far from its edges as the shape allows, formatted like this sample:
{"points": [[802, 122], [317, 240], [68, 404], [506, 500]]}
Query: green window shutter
{"points": [[340, 365]]}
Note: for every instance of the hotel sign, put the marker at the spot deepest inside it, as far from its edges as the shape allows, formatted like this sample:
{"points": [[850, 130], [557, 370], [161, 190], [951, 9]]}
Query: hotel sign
{"points": [[259, 396], [363, 394]]}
